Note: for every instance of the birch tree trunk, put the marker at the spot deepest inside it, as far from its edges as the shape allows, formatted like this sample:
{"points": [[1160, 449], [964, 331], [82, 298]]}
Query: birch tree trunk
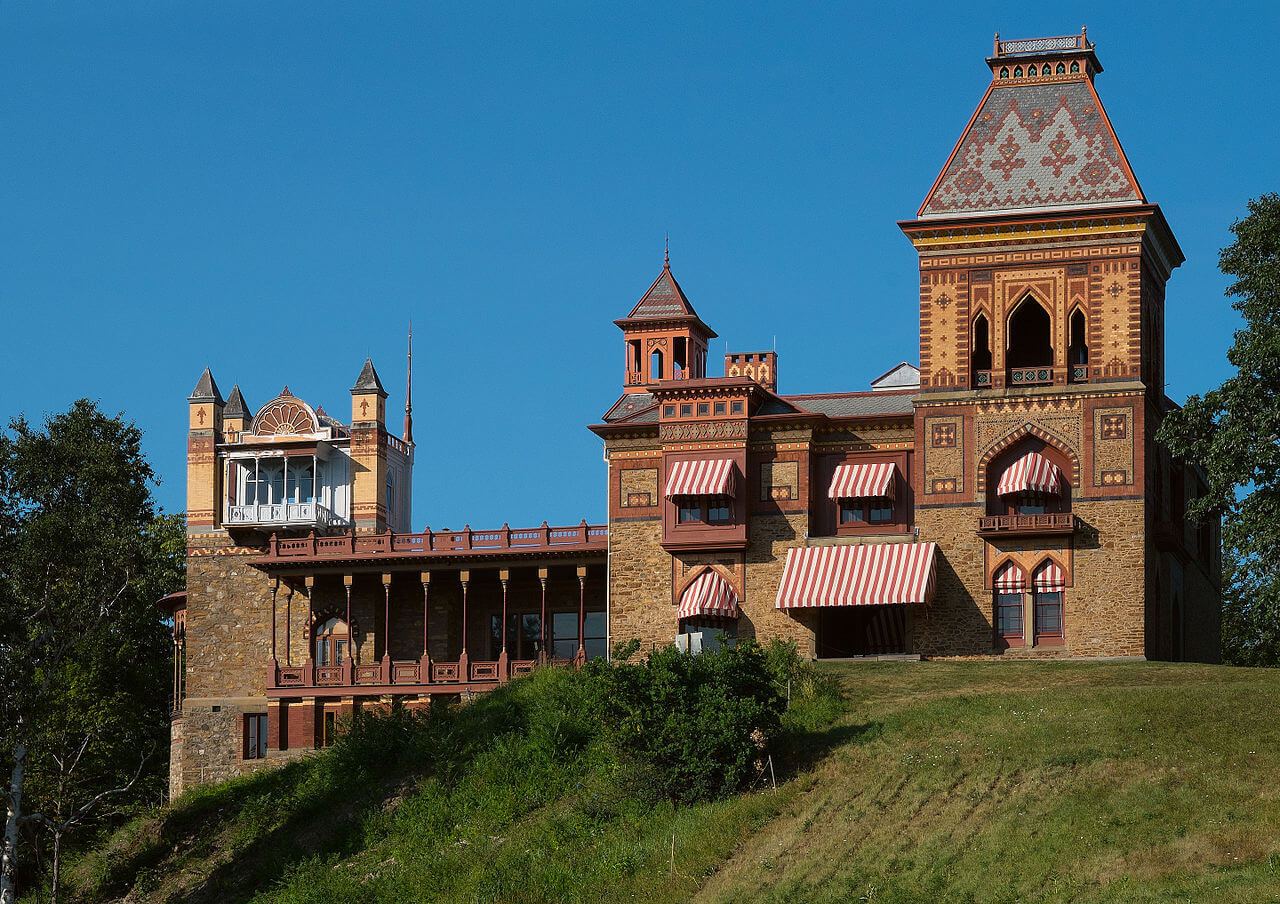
{"points": [[13, 815]]}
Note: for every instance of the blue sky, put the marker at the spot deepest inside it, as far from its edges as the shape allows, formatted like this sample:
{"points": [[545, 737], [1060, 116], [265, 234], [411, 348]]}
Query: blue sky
{"points": [[274, 189]]}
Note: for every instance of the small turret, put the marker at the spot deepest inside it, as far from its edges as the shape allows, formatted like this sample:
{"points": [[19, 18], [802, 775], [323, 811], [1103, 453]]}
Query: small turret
{"points": [[665, 338], [204, 432]]}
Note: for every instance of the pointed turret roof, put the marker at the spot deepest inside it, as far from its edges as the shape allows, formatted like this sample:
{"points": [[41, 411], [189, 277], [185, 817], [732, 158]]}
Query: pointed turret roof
{"points": [[368, 381], [236, 406], [1040, 138], [665, 300], [206, 389]]}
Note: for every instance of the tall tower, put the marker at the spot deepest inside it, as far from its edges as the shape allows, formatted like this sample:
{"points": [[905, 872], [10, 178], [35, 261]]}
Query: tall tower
{"points": [[665, 338], [204, 432], [1042, 284]]}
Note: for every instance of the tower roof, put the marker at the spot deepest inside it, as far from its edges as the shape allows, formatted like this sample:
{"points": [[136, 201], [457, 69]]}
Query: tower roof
{"points": [[1039, 139], [206, 389], [368, 380], [236, 405], [665, 300]]}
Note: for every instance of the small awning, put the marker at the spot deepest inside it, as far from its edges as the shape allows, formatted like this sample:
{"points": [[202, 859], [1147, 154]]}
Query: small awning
{"points": [[1050, 579], [865, 481], [1032, 473], [1010, 579], [871, 575], [700, 477], [709, 594]]}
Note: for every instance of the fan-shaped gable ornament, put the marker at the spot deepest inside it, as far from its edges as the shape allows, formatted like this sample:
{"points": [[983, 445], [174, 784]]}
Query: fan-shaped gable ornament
{"points": [[285, 416]]}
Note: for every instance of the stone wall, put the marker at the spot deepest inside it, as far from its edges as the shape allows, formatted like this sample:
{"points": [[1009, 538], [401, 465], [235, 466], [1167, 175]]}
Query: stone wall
{"points": [[770, 536], [640, 604]]}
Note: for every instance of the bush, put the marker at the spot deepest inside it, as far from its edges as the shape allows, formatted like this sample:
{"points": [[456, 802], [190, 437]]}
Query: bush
{"points": [[700, 724]]}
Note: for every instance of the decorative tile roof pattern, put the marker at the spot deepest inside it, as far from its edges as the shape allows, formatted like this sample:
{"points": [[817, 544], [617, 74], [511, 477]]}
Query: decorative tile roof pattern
{"points": [[665, 298], [631, 404], [856, 404], [236, 406], [1033, 146]]}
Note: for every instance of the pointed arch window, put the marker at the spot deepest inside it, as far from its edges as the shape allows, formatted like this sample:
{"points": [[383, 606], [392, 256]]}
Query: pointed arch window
{"points": [[1075, 67], [1004, 71], [1029, 356], [1048, 585], [1017, 72], [1062, 70], [1078, 350], [980, 356], [1010, 584]]}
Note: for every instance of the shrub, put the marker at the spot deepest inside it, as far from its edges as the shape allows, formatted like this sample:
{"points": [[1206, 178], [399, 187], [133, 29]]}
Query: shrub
{"points": [[701, 724]]}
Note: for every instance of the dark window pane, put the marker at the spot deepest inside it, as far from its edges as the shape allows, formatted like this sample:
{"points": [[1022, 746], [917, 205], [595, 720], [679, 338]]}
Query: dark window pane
{"points": [[1049, 613], [852, 514], [718, 510], [1009, 614], [690, 510], [881, 512]]}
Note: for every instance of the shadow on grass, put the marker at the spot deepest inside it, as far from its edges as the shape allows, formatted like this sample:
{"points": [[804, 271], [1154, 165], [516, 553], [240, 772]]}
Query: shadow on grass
{"points": [[804, 751]]}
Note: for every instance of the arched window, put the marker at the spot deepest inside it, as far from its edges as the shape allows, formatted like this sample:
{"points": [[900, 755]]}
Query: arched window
{"points": [[1075, 67], [332, 642], [655, 365], [1004, 71], [980, 358], [1017, 72], [1029, 478], [1078, 350], [1009, 585], [300, 481], [1030, 352], [1048, 584], [1061, 70]]}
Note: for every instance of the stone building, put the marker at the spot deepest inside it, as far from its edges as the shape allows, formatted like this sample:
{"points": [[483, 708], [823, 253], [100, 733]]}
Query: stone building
{"points": [[1005, 500]]}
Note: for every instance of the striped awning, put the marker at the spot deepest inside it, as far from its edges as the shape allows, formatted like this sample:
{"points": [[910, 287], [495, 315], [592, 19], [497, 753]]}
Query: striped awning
{"points": [[1049, 578], [700, 477], [870, 575], [1010, 579], [1032, 473], [865, 481], [709, 594]]}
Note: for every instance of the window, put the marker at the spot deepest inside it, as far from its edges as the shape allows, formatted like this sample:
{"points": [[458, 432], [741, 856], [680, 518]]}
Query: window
{"points": [[332, 642], [564, 634], [1017, 72], [735, 408], [1009, 614], [1028, 504], [719, 408], [1075, 67], [861, 512], [1078, 349], [980, 359], [300, 481], [1030, 342], [718, 510], [655, 365], [703, 408], [391, 494], [1004, 72], [255, 736], [686, 410], [688, 509], [330, 729], [668, 410], [1048, 613], [1061, 69]]}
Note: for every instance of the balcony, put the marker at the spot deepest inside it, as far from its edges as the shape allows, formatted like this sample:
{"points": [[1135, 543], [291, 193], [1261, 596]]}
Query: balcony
{"points": [[1030, 376], [1026, 525], [576, 539], [410, 676], [283, 514]]}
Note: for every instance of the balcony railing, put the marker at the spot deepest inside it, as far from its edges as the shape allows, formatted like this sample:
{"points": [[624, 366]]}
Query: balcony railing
{"points": [[290, 514], [581, 537], [411, 675], [1030, 376], [1026, 525]]}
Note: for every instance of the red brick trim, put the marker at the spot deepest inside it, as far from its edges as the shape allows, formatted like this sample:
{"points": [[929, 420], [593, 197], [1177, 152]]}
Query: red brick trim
{"points": [[1017, 435]]}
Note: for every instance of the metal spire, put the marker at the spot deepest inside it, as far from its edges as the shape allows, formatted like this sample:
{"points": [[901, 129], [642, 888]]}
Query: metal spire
{"points": [[408, 391]]}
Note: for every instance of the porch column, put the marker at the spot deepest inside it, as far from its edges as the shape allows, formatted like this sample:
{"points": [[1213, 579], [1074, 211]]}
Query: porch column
{"points": [[464, 668], [542, 646], [348, 667], [504, 576], [309, 673], [386, 629], [288, 627], [424, 664], [275, 589], [582, 615]]}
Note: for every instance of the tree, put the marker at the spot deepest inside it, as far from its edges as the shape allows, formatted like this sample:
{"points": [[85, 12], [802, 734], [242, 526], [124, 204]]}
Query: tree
{"points": [[83, 650], [1233, 434]]}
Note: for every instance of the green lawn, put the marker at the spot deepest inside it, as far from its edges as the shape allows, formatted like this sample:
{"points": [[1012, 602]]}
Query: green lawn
{"points": [[963, 782]]}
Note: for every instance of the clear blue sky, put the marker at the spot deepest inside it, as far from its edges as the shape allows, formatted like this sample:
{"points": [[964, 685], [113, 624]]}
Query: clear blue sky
{"points": [[273, 189]]}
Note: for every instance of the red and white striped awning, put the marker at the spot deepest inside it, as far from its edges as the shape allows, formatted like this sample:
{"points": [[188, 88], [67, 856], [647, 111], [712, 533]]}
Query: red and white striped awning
{"points": [[1049, 578], [700, 477], [709, 594], [864, 481], [871, 575], [1032, 473], [1010, 579]]}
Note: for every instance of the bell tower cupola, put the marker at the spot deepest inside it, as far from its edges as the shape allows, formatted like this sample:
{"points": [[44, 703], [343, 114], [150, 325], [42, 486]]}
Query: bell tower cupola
{"points": [[664, 338]]}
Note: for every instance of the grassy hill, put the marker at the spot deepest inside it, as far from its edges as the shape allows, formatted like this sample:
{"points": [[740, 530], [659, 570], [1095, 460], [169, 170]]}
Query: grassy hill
{"points": [[966, 782]]}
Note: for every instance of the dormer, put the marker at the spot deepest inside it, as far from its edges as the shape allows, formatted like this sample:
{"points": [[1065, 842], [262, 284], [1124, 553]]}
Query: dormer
{"points": [[665, 339]]}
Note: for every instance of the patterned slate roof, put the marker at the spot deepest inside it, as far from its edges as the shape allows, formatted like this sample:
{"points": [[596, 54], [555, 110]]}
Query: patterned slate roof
{"points": [[854, 404], [629, 405], [1033, 146], [665, 298], [236, 406], [206, 389], [368, 380]]}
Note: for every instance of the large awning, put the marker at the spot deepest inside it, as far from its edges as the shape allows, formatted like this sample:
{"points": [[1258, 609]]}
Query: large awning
{"points": [[871, 575], [700, 477], [864, 481], [1032, 473], [709, 594], [1050, 579]]}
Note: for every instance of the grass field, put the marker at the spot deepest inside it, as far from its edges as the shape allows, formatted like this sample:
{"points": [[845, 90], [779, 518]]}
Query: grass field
{"points": [[982, 782]]}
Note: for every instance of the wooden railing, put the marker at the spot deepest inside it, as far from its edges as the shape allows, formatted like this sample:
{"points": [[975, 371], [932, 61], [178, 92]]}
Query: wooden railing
{"points": [[1043, 45], [582, 536], [1009, 525], [402, 674]]}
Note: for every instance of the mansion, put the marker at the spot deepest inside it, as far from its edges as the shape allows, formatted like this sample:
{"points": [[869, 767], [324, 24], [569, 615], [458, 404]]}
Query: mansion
{"points": [[1004, 500]]}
